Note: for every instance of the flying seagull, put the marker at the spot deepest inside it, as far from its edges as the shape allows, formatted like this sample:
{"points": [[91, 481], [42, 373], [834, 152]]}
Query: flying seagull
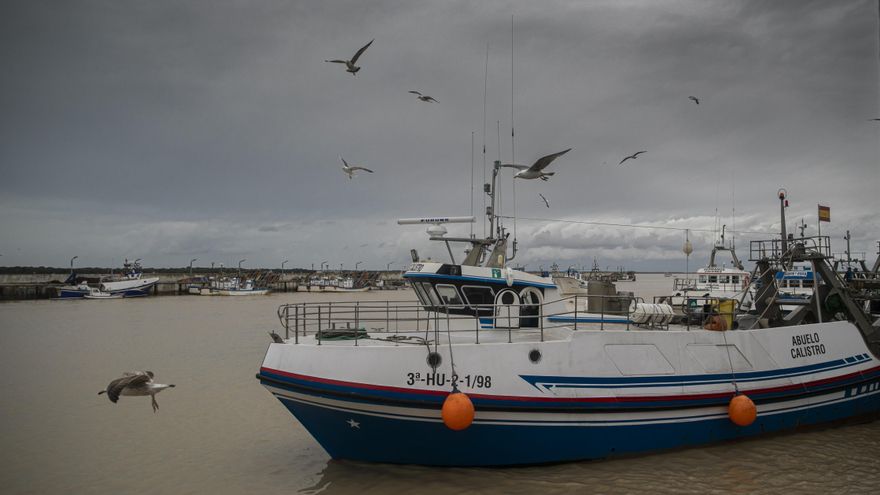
{"points": [[873, 119], [536, 170], [546, 201], [424, 97], [349, 64], [139, 383], [349, 170], [632, 157], [695, 99]]}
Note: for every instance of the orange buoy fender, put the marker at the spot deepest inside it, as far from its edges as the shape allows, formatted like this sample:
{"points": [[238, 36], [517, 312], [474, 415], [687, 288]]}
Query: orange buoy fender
{"points": [[742, 410], [458, 411]]}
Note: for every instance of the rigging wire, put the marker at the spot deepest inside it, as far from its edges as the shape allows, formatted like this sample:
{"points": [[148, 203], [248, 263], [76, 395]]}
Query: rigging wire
{"points": [[730, 361], [629, 225]]}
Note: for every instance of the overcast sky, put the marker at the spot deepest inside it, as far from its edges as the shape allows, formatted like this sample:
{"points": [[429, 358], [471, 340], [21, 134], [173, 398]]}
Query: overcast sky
{"points": [[171, 130]]}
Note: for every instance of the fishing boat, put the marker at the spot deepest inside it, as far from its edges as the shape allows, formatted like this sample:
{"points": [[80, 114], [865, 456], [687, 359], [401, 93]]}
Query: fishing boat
{"points": [[334, 284], [715, 280], [229, 286], [481, 370], [795, 284], [130, 284]]}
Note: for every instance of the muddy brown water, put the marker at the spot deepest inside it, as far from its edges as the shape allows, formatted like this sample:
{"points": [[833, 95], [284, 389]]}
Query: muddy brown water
{"points": [[219, 431]]}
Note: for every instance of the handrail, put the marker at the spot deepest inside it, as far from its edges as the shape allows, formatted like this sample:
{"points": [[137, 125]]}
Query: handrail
{"points": [[351, 320]]}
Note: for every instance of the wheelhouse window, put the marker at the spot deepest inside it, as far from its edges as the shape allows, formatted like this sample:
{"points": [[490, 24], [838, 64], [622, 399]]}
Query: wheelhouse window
{"points": [[449, 295], [734, 279], [702, 279], [420, 293], [432, 296], [478, 296], [807, 283], [724, 279], [713, 279]]}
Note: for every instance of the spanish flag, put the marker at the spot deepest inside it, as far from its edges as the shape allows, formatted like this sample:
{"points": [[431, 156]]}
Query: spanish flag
{"points": [[824, 213]]}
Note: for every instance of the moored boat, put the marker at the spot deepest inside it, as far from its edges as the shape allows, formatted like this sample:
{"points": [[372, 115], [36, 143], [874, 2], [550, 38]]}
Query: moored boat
{"points": [[230, 286], [130, 284], [549, 390]]}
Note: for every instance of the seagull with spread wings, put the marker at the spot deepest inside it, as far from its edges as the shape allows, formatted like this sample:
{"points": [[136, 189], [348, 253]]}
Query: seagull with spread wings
{"points": [[695, 99], [349, 170], [138, 383], [349, 64], [546, 201], [425, 98], [632, 157], [536, 171]]}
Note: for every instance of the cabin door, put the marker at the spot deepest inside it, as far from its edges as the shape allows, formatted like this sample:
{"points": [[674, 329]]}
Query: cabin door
{"points": [[507, 306], [530, 311]]}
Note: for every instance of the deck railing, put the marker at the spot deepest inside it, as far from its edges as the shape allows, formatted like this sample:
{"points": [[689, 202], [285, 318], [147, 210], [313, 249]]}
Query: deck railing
{"points": [[772, 248], [357, 320]]}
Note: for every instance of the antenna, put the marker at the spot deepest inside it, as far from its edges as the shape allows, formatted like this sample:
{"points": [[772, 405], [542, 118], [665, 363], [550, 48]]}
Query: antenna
{"points": [[733, 201], [485, 91], [472, 180], [498, 126], [512, 146]]}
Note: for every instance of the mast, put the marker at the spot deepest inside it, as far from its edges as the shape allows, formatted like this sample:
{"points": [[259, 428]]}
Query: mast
{"points": [[782, 204]]}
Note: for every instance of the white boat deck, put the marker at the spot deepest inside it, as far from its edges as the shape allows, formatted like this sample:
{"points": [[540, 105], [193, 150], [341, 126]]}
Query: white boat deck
{"points": [[378, 337]]}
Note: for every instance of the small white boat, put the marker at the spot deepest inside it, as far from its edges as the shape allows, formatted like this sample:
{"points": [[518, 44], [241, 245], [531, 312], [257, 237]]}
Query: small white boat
{"points": [[99, 294], [232, 286], [333, 284]]}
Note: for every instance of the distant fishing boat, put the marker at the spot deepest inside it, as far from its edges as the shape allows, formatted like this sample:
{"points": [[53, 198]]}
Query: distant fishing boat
{"points": [[333, 284], [130, 284], [714, 281], [229, 286]]}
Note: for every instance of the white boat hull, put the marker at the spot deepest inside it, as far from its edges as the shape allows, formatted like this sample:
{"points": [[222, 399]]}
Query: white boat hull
{"points": [[591, 394]]}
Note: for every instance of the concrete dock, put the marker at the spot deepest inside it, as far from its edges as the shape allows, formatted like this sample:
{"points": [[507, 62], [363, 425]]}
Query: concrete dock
{"points": [[19, 286]]}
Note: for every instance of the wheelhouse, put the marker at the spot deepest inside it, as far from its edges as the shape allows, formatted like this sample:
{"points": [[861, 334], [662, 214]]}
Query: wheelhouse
{"points": [[492, 294]]}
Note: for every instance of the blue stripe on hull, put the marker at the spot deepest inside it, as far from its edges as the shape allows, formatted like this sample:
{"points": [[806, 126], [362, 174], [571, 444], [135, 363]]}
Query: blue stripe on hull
{"points": [[140, 292], [387, 397], [383, 439]]}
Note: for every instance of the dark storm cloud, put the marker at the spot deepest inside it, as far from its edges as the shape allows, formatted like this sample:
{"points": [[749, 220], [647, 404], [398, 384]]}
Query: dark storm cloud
{"points": [[214, 128]]}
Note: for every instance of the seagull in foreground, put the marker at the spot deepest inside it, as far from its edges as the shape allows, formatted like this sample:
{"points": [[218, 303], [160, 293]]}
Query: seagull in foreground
{"points": [[546, 201], [536, 170], [873, 119], [349, 64], [138, 383], [424, 97], [349, 170], [632, 157], [695, 99]]}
